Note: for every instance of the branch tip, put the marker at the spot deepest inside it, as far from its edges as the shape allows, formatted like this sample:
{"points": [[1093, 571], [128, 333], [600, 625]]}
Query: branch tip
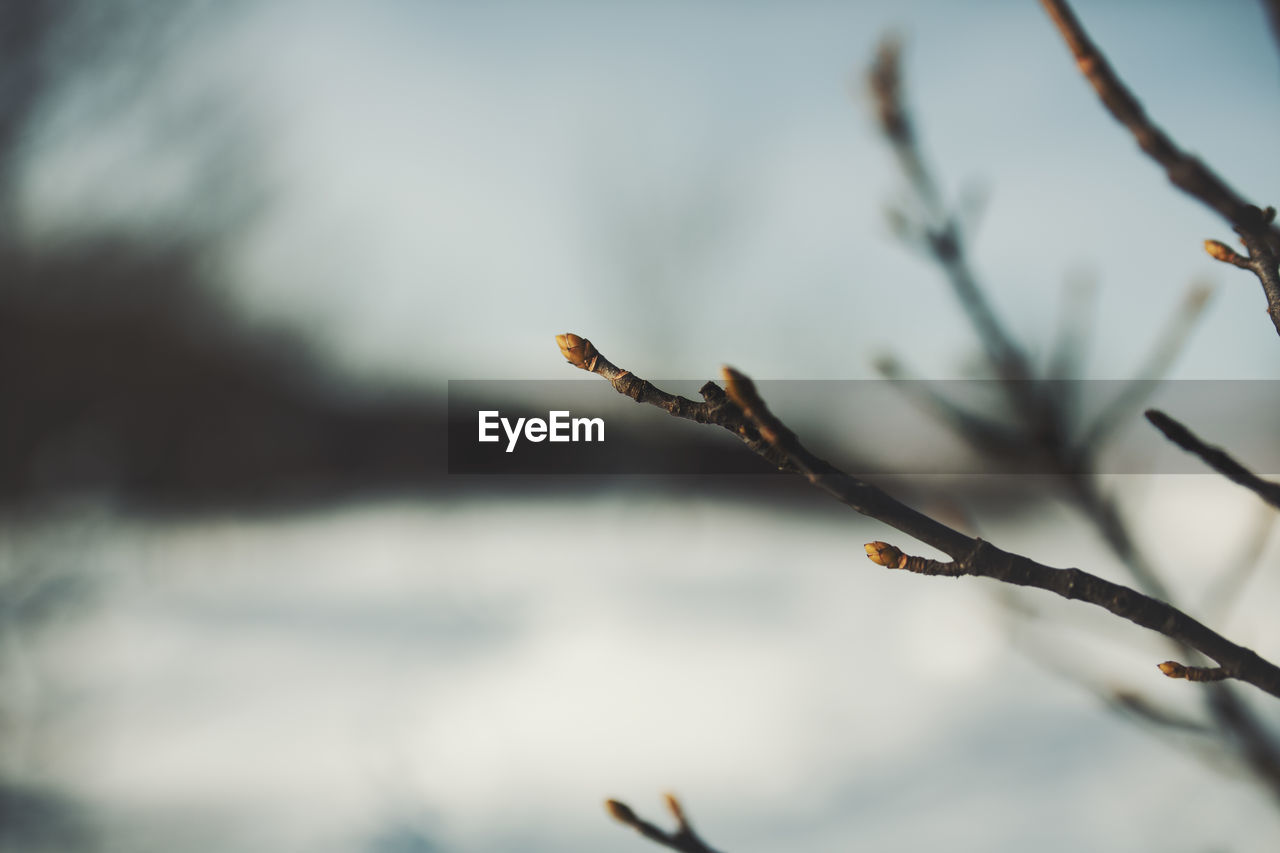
{"points": [[1220, 251], [739, 387], [621, 812], [677, 811], [884, 554], [578, 351], [1173, 669]]}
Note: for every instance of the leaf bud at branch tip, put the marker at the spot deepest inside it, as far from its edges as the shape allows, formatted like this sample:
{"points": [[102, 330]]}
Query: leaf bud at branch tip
{"points": [[620, 812], [739, 388], [1173, 669], [577, 351], [1220, 251], [884, 554], [673, 806]]}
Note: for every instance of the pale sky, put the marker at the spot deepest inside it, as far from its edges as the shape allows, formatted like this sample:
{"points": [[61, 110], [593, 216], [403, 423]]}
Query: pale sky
{"points": [[696, 183]]}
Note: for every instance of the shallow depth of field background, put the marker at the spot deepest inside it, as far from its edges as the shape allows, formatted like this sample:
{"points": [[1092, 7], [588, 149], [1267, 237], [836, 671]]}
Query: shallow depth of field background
{"points": [[243, 655]]}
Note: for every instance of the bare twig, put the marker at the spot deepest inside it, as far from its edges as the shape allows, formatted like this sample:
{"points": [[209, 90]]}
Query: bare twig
{"points": [[986, 435], [1144, 710], [1075, 324], [1272, 8], [970, 556], [714, 409], [1169, 343], [683, 839], [1215, 457], [1192, 176], [1220, 251], [1173, 669], [939, 234], [891, 557], [1227, 589]]}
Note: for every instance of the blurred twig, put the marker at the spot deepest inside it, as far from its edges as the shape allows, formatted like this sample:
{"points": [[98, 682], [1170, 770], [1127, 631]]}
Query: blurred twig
{"points": [[1071, 338], [1272, 8], [937, 233], [1169, 343], [683, 839], [1215, 457], [1226, 590]]}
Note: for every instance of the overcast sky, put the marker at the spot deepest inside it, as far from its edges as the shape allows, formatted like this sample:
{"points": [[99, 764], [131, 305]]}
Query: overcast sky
{"points": [[451, 184]]}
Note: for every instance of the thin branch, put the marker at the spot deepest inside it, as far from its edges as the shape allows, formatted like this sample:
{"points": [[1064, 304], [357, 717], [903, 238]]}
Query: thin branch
{"points": [[1226, 590], [1071, 339], [970, 556], [714, 409], [1173, 669], [683, 839], [1220, 251], [939, 235], [1169, 343], [1188, 173], [1215, 457], [1070, 344], [1272, 8], [1130, 704], [987, 436]]}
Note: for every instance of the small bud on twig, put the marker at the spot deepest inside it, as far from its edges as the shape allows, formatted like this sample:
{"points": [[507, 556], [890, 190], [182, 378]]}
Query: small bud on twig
{"points": [[677, 811], [884, 554], [1173, 669], [577, 351], [892, 557], [621, 812], [742, 391], [1220, 251]]}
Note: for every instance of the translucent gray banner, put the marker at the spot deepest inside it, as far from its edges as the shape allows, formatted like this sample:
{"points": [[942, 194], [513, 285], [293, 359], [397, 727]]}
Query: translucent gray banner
{"points": [[866, 427]]}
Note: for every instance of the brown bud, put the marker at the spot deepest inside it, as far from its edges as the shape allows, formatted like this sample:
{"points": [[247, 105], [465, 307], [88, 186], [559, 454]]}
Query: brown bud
{"points": [[1220, 251], [1173, 669], [577, 351], [739, 387], [884, 554], [673, 806], [620, 812]]}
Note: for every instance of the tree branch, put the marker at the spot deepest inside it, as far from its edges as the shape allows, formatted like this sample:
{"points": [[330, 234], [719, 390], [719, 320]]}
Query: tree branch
{"points": [[970, 556], [1272, 8], [1188, 173], [715, 408], [1173, 669], [1215, 457], [683, 839], [938, 233]]}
